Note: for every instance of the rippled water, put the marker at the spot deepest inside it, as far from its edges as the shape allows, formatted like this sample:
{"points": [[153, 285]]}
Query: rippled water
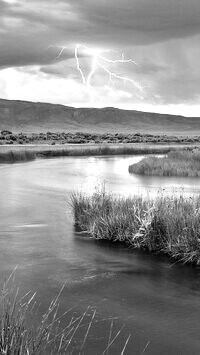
{"points": [[157, 300]]}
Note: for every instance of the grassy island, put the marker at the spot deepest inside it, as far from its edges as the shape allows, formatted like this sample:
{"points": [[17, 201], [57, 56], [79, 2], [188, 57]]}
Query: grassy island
{"points": [[169, 225], [176, 163]]}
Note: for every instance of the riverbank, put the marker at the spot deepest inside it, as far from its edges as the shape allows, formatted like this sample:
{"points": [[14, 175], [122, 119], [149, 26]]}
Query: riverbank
{"points": [[176, 163], [168, 225], [17, 153]]}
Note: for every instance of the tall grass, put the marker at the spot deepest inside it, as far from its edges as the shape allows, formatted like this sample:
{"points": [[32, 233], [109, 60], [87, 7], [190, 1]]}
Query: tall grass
{"points": [[13, 156], [25, 331], [121, 149], [170, 225], [179, 163], [21, 153]]}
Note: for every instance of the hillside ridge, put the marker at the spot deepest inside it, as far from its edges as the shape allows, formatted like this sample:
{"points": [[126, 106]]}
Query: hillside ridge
{"points": [[27, 116]]}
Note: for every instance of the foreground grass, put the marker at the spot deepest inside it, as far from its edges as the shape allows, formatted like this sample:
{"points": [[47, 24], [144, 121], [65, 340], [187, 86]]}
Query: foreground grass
{"points": [[170, 225], [179, 163], [51, 332], [21, 153]]}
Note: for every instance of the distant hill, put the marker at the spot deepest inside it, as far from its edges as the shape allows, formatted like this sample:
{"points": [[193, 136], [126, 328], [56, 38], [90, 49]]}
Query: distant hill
{"points": [[24, 116]]}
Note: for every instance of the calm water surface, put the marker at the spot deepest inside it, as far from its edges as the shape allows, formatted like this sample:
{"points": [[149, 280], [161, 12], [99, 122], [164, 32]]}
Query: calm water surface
{"points": [[157, 300]]}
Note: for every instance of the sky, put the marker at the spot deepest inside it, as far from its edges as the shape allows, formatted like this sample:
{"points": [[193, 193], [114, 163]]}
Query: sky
{"points": [[132, 54]]}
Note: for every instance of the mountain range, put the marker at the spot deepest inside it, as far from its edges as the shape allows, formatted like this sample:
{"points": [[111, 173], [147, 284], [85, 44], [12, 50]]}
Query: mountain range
{"points": [[25, 116]]}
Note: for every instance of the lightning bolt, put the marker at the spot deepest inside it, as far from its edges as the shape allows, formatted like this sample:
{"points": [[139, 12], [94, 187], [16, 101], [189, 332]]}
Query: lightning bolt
{"points": [[99, 62]]}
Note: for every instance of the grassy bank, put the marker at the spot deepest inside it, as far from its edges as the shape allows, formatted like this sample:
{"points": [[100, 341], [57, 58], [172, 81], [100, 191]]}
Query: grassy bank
{"points": [[169, 225], [179, 163], [22, 153]]}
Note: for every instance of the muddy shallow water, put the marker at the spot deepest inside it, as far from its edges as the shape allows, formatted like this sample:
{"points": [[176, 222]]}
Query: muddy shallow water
{"points": [[157, 300]]}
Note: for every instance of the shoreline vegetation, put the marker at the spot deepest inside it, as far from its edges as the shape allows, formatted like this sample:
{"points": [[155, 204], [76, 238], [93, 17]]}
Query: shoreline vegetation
{"points": [[168, 225], [53, 138], [20, 153], [18, 147], [176, 163]]}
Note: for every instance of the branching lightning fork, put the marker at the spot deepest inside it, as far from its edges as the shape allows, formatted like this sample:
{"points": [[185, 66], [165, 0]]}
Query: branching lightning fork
{"points": [[99, 62]]}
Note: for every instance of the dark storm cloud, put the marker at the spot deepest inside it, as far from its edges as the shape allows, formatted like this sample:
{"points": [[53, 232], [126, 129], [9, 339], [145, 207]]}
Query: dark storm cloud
{"points": [[28, 28], [29, 34], [144, 21]]}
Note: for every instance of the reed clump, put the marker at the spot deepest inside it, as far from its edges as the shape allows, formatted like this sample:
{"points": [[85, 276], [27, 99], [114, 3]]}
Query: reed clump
{"points": [[121, 149], [24, 330], [16, 334], [169, 225], [176, 163], [12, 156]]}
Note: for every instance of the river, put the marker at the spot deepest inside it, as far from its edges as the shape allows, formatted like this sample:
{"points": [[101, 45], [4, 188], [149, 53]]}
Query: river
{"points": [[156, 299]]}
